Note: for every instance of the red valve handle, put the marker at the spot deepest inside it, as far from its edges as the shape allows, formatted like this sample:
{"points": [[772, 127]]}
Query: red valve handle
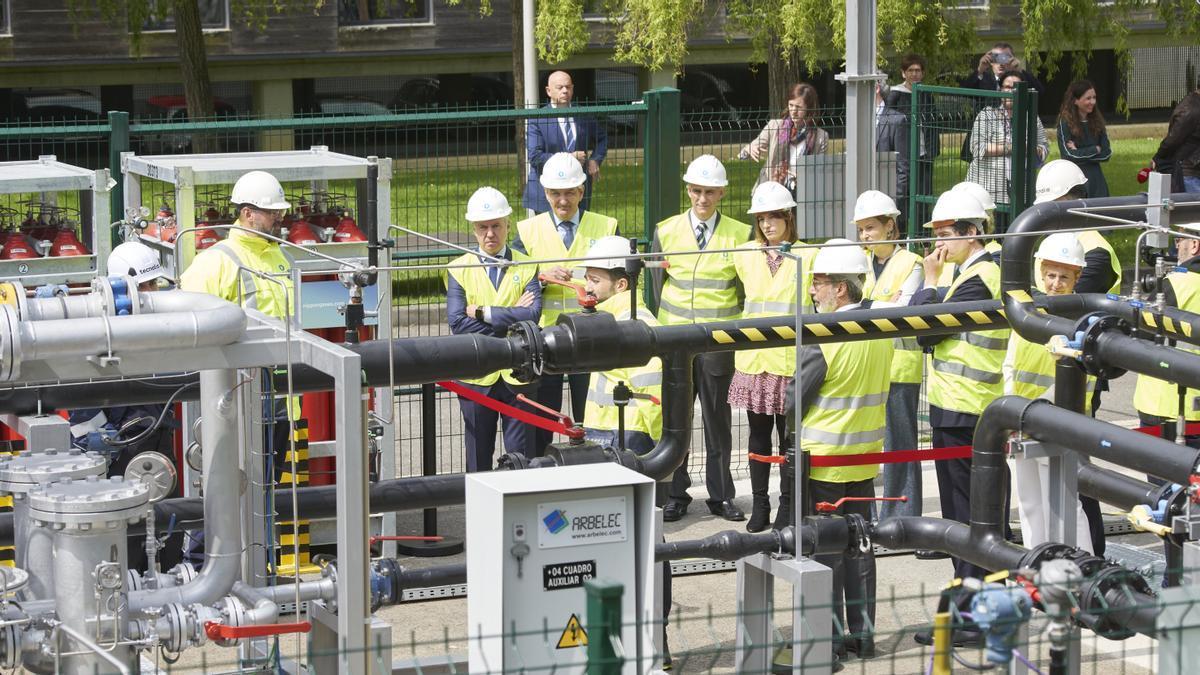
{"points": [[768, 459], [581, 295], [570, 430], [220, 631], [646, 397], [826, 507], [403, 537]]}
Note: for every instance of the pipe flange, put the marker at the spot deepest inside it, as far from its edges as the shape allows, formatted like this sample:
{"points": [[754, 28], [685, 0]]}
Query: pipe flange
{"points": [[177, 638], [22, 472], [91, 503], [1092, 328], [1093, 598], [529, 339], [10, 649], [10, 343]]}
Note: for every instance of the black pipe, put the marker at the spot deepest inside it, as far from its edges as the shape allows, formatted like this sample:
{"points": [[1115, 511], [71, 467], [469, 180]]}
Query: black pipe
{"points": [[1119, 490], [950, 537], [729, 545]]}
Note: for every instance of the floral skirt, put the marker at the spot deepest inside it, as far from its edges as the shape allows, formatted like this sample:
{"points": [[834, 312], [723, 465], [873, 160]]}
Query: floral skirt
{"points": [[764, 393]]}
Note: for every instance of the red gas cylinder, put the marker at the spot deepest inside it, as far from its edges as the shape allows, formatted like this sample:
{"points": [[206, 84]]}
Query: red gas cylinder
{"points": [[347, 230], [40, 230], [18, 247], [211, 214], [206, 238], [300, 232], [67, 244], [167, 229]]}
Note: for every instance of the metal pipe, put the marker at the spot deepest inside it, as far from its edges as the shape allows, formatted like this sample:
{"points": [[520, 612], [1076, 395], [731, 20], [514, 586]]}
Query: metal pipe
{"points": [[260, 608], [222, 486], [1119, 490]]}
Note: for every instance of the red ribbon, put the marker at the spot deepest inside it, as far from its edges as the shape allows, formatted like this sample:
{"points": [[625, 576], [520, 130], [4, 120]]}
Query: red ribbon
{"points": [[513, 412]]}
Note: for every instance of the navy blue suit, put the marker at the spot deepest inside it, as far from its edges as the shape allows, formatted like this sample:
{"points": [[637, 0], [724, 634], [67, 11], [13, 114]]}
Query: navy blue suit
{"points": [[480, 421], [543, 138]]}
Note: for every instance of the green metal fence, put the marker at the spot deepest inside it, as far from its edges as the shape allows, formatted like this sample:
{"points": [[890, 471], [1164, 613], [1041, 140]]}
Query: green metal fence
{"points": [[993, 138]]}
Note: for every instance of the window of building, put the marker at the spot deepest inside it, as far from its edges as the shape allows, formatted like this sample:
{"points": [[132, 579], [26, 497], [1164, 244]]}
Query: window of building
{"points": [[375, 12], [214, 15]]}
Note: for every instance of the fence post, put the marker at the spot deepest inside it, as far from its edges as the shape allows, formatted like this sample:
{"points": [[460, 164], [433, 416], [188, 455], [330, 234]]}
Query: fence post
{"points": [[1031, 125], [603, 624], [118, 142], [660, 157], [1019, 171], [914, 158]]}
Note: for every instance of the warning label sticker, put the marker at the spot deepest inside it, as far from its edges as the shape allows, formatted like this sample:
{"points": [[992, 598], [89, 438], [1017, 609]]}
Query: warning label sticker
{"points": [[567, 575], [573, 635]]}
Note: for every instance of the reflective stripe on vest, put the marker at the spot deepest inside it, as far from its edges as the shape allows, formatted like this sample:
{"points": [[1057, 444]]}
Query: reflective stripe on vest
{"points": [[848, 415], [699, 287], [249, 290], [966, 373], [1035, 379], [770, 307], [542, 242], [600, 395], [600, 412], [906, 363]]}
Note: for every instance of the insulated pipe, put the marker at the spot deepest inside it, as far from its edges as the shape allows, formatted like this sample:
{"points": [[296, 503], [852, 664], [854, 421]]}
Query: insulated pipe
{"points": [[179, 318], [950, 537], [1119, 490], [222, 485], [731, 545]]}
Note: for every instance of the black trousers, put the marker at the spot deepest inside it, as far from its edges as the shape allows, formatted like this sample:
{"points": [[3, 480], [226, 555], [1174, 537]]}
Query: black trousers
{"points": [[762, 428], [954, 488], [853, 575], [711, 374]]}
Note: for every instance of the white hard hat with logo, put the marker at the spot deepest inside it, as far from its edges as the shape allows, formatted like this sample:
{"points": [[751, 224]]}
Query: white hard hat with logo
{"points": [[978, 192], [956, 205], [849, 258], [874, 204], [137, 260], [771, 196], [1056, 179], [1062, 247], [487, 203], [706, 171], [611, 251], [562, 171], [259, 189]]}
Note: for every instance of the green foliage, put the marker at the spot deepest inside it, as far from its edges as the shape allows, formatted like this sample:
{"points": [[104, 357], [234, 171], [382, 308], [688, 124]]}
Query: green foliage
{"points": [[653, 33], [936, 30], [561, 31]]}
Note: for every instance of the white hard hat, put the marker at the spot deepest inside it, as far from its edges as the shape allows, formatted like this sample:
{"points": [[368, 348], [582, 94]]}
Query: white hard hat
{"points": [[1056, 179], [562, 171], [487, 203], [978, 192], [1062, 247], [849, 258], [137, 260], [955, 205], [612, 251], [707, 171], [873, 204], [771, 196], [260, 189]]}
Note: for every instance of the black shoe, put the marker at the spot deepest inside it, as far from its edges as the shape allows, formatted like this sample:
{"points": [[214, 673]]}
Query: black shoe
{"points": [[863, 647], [727, 511], [760, 518], [674, 511], [928, 554]]}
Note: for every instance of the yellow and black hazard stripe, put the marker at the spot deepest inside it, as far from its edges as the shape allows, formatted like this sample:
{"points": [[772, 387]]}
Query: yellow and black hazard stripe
{"points": [[290, 532], [8, 553], [828, 329]]}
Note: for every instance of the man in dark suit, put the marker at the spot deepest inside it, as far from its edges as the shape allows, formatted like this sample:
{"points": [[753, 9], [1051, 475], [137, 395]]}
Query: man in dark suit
{"points": [[545, 136], [488, 300]]}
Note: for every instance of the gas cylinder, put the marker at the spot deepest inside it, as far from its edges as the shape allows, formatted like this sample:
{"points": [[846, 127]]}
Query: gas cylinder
{"points": [[347, 230], [301, 233], [67, 244], [18, 247], [205, 238]]}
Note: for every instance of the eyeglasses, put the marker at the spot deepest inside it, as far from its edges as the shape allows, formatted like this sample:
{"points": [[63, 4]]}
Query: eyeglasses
{"points": [[274, 213]]}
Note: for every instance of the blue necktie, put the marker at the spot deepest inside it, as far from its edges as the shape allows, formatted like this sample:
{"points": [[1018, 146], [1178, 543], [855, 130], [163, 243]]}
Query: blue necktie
{"points": [[568, 233], [494, 275], [701, 234], [570, 134]]}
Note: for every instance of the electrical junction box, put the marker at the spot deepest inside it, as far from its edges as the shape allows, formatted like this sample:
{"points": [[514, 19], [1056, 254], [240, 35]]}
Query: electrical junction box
{"points": [[533, 538]]}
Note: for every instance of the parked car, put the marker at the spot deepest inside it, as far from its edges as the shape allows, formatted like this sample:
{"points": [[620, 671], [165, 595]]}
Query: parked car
{"points": [[173, 108]]}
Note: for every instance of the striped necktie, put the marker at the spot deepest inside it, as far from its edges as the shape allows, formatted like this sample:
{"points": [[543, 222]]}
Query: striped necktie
{"points": [[569, 134]]}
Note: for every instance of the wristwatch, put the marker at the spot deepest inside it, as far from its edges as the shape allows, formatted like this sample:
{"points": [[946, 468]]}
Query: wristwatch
{"points": [[479, 313]]}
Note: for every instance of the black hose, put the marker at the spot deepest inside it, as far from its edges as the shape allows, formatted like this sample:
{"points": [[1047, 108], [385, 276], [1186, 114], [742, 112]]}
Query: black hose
{"points": [[1117, 489]]}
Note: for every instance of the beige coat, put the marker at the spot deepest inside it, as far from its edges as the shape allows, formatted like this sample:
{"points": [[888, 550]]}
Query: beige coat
{"points": [[777, 154]]}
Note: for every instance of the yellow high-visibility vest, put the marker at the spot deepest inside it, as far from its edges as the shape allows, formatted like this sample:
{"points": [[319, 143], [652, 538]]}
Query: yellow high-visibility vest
{"points": [[906, 362], [1090, 240], [1033, 369], [479, 291], [965, 375], [766, 296], [542, 242], [640, 415], [224, 270], [1153, 396], [848, 416], [699, 287]]}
